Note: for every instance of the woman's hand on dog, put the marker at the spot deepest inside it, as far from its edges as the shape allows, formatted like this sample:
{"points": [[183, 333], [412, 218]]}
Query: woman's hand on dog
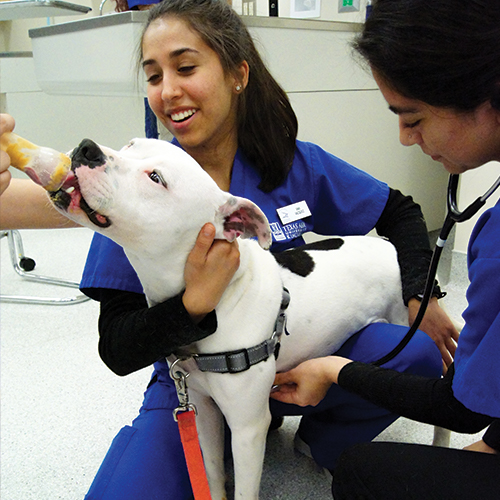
{"points": [[437, 324], [308, 383], [209, 269]]}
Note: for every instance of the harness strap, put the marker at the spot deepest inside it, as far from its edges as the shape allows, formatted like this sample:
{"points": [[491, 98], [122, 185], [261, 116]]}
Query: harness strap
{"points": [[236, 361], [243, 359]]}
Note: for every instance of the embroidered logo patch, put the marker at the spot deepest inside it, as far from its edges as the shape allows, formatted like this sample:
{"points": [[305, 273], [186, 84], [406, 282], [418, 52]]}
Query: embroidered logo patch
{"points": [[288, 232]]}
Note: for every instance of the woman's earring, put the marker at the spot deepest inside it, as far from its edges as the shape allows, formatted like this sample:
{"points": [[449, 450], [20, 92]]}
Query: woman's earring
{"points": [[410, 136], [238, 88]]}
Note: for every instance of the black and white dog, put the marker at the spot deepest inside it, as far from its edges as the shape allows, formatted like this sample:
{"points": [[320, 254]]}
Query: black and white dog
{"points": [[152, 199]]}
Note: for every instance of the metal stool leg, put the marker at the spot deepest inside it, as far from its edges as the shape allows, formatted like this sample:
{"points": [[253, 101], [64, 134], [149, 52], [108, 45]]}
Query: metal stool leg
{"points": [[23, 265]]}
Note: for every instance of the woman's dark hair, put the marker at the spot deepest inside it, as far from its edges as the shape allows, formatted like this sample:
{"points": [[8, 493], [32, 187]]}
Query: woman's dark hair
{"points": [[442, 52], [267, 125]]}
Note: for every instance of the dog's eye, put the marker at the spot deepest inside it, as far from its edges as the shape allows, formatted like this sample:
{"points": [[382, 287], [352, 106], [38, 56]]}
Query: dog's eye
{"points": [[156, 177]]}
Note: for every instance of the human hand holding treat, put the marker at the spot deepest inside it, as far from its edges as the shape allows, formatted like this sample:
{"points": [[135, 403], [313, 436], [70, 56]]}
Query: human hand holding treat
{"points": [[45, 166]]}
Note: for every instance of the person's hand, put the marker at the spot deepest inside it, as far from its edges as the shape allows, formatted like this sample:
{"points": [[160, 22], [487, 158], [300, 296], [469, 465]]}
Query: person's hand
{"points": [[308, 383], [481, 447], [437, 324], [209, 269], [7, 124]]}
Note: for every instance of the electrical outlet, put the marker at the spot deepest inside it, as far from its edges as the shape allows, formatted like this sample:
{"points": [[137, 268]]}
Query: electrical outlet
{"points": [[348, 5], [273, 8]]}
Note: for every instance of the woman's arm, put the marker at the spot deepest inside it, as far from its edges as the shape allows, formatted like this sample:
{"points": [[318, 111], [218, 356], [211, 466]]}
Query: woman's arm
{"points": [[418, 398], [403, 224], [25, 205], [133, 336]]}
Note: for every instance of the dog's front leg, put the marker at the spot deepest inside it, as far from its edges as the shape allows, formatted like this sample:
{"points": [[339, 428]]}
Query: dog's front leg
{"points": [[244, 401], [210, 424], [249, 446]]}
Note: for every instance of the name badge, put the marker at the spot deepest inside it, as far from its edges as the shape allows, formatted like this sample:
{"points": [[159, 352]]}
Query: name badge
{"points": [[293, 212]]}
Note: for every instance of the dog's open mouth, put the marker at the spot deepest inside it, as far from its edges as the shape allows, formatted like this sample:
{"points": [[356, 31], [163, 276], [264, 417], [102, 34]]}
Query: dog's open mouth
{"points": [[70, 195]]}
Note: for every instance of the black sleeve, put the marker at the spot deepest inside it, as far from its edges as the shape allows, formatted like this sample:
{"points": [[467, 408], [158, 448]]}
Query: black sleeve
{"points": [[492, 435], [403, 224], [133, 336], [427, 400]]}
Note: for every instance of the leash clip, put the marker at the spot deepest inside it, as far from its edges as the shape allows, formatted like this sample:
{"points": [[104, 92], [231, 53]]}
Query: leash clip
{"points": [[180, 380]]}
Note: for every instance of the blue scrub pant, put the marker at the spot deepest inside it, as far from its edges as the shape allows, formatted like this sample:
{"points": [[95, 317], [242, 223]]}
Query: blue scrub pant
{"points": [[146, 461]]}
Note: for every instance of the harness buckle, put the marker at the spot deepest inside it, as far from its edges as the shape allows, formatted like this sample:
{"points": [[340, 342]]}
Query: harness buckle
{"points": [[236, 369]]}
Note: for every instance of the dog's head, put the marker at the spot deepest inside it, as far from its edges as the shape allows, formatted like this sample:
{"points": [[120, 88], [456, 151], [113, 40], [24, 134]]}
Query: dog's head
{"points": [[151, 189]]}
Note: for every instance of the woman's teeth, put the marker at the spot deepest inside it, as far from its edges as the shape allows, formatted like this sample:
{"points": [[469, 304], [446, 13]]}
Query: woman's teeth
{"points": [[178, 117]]}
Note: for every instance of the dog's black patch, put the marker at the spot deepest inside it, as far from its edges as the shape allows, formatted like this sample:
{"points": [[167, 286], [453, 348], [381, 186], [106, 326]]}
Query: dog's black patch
{"points": [[329, 244], [299, 262]]}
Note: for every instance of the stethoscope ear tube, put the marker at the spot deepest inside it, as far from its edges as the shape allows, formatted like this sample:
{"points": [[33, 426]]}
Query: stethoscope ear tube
{"points": [[453, 211]]}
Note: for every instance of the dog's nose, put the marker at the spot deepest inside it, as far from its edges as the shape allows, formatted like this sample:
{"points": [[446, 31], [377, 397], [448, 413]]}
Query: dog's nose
{"points": [[87, 153]]}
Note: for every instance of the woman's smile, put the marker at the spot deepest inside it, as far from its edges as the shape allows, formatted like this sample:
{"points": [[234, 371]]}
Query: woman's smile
{"points": [[182, 116]]}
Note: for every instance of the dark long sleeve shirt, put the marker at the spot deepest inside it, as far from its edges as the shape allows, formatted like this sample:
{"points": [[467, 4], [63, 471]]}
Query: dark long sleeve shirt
{"points": [[427, 400]]}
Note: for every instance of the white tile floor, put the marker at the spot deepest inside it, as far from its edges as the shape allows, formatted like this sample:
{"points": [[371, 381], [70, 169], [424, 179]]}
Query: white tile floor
{"points": [[61, 407]]}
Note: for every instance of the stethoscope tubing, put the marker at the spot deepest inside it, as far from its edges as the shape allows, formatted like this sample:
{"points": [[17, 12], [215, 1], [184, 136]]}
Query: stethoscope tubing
{"points": [[453, 216], [429, 287]]}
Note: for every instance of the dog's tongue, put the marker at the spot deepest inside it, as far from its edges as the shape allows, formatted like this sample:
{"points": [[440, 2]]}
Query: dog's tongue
{"points": [[45, 166]]}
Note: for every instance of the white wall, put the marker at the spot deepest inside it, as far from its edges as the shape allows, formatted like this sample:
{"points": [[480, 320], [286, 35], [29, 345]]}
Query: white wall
{"points": [[340, 108], [338, 120]]}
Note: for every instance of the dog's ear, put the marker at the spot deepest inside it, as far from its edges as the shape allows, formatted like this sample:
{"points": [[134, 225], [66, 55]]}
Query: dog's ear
{"points": [[241, 217]]}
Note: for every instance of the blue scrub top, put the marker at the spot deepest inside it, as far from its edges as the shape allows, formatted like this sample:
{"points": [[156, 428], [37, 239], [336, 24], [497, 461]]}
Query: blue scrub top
{"points": [[476, 383], [342, 199]]}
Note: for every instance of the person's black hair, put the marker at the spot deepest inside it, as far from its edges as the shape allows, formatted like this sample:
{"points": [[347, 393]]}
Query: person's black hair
{"points": [[442, 52], [267, 124]]}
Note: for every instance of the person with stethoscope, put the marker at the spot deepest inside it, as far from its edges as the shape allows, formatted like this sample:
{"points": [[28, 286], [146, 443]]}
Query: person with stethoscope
{"points": [[438, 66]]}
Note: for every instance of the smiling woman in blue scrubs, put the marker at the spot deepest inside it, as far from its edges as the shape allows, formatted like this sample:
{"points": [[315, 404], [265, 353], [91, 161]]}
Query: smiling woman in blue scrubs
{"points": [[208, 85]]}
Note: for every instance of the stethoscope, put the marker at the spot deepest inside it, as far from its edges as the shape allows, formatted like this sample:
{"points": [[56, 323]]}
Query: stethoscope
{"points": [[453, 215]]}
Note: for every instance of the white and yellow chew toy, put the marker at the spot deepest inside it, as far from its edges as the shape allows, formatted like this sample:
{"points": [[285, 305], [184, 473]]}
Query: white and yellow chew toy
{"points": [[45, 166]]}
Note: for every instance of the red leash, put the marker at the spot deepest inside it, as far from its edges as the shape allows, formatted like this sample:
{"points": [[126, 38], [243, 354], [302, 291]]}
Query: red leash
{"points": [[185, 416], [194, 458]]}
